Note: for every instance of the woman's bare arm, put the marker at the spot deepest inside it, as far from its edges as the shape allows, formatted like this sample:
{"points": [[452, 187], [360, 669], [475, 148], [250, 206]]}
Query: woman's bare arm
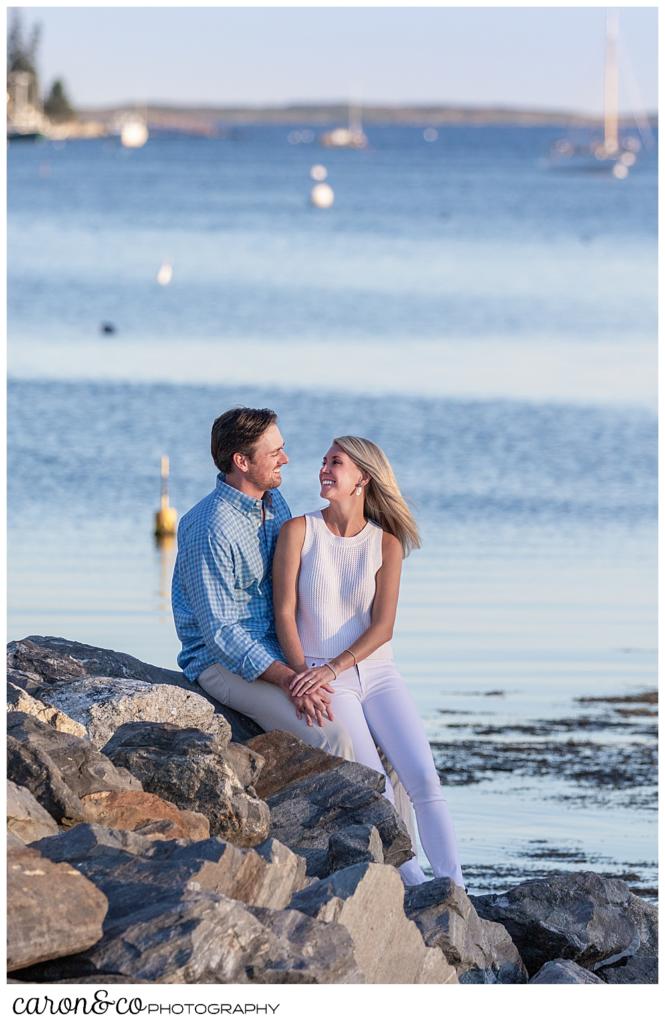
{"points": [[285, 570]]}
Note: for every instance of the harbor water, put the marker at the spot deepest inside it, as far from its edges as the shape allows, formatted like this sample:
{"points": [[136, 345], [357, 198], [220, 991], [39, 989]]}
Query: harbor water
{"points": [[488, 319]]}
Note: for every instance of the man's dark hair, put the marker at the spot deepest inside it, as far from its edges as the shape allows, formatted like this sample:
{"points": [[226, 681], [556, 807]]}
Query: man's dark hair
{"points": [[238, 430]]}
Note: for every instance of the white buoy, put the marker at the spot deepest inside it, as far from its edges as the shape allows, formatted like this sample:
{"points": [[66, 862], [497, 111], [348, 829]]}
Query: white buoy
{"points": [[134, 134], [322, 196], [430, 135], [165, 274], [620, 171], [318, 172]]}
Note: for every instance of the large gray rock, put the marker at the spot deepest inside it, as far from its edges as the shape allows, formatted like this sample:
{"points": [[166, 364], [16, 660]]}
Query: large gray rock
{"points": [[355, 845], [58, 768], [52, 659], [101, 704], [191, 769], [368, 900], [134, 870], [19, 699], [307, 813], [39, 660], [580, 916], [564, 972], [631, 970], [206, 938], [52, 910], [482, 952], [26, 819]]}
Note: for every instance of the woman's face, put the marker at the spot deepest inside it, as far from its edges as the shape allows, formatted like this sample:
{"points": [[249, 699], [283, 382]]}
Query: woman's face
{"points": [[339, 476]]}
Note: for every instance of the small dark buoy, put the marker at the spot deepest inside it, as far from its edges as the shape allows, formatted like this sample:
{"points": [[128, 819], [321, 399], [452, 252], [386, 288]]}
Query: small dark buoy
{"points": [[106, 327]]}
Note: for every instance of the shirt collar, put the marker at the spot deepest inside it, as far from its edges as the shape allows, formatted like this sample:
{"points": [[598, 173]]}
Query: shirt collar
{"points": [[243, 502]]}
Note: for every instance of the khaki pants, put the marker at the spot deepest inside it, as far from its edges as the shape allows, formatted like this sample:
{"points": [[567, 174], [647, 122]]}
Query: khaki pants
{"points": [[269, 706]]}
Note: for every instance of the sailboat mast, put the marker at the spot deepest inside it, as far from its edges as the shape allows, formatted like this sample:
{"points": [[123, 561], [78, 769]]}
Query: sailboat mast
{"points": [[355, 124], [611, 142]]}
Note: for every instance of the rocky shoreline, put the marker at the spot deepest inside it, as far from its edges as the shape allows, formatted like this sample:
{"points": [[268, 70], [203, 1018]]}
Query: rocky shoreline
{"points": [[156, 836]]}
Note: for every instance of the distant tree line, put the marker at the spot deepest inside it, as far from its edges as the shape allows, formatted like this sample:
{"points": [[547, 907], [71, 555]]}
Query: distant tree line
{"points": [[22, 56]]}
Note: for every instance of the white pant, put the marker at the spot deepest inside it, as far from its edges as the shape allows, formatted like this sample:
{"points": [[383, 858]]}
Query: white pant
{"points": [[372, 702]]}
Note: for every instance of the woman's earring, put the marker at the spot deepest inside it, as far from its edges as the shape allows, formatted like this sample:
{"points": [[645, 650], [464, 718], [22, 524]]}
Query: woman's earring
{"points": [[359, 490]]}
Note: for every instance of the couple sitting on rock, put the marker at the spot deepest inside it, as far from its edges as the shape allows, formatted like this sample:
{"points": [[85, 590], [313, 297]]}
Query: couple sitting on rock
{"points": [[289, 620]]}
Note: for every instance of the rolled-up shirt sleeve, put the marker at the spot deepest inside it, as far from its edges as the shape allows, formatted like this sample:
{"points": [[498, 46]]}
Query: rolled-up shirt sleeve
{"points": [[209, 580]]}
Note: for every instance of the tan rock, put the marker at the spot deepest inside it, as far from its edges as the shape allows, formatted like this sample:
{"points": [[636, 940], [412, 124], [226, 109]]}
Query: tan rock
{"points": [[52, 910], [132, 810], [26, 818], [19, 700], [368, 900]]}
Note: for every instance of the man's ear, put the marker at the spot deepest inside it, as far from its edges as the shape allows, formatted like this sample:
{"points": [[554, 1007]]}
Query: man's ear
{"points": [[240, 461]]}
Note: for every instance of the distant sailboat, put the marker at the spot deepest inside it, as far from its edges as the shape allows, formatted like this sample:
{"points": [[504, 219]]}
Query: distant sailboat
{"points": [[132, 127], [612, 155], [351, 137]]}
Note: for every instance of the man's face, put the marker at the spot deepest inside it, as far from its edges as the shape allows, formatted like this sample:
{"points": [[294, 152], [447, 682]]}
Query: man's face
{"points": [[264, 469]]}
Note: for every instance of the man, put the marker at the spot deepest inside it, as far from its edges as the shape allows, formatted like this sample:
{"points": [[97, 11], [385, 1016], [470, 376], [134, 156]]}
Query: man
{"points": [[222, 586]]}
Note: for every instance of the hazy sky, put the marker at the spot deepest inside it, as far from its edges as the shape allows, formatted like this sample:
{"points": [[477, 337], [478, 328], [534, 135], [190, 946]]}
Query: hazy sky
{"points": [[545, 57]]}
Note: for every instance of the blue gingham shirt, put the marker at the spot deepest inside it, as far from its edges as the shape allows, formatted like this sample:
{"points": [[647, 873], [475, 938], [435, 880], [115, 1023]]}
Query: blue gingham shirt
{"points": [[222, 582]]}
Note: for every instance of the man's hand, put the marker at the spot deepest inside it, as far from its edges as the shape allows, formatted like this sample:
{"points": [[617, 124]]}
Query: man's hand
{"points": [[314, 706]]}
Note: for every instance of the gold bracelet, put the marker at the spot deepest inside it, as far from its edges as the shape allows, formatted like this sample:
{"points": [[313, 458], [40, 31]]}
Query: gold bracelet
{"points": [[328, 665], [347, 650]]}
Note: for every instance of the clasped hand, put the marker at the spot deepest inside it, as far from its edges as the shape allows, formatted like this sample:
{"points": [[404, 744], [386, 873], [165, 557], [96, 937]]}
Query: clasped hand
{"points": [[311, 692], [312, 679]]}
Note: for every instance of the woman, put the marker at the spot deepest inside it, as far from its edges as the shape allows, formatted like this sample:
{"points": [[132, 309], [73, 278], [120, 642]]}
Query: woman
{"points": [[336, 576]]}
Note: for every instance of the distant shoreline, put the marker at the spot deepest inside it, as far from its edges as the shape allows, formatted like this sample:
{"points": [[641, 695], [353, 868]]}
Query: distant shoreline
{"points": [[325, 114]]}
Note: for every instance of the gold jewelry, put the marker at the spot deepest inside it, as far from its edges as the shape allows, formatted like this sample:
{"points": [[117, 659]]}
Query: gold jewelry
{"points": [[328, 665], [347, 650]]}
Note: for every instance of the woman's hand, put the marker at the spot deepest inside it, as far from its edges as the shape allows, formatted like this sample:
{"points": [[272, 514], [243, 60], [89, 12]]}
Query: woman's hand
{"points": [[312, 679]]}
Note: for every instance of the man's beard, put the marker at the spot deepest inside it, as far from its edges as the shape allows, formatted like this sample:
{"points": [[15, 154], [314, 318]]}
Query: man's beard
{"points": [[266, 483]]}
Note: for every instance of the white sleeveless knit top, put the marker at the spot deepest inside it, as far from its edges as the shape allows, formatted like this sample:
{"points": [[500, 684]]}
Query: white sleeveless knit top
{"points": [[336, 588]]}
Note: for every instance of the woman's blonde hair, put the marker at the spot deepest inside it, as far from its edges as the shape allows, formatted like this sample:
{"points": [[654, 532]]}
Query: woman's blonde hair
{"points": [[383, 499]]}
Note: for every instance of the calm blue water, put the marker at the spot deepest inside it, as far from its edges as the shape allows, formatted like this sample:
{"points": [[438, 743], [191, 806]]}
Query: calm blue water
{"points": [[490, 322]]}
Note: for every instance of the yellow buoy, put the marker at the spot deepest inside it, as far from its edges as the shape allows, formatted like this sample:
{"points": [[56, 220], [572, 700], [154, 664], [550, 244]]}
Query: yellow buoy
{"points": [[166, 518]]}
